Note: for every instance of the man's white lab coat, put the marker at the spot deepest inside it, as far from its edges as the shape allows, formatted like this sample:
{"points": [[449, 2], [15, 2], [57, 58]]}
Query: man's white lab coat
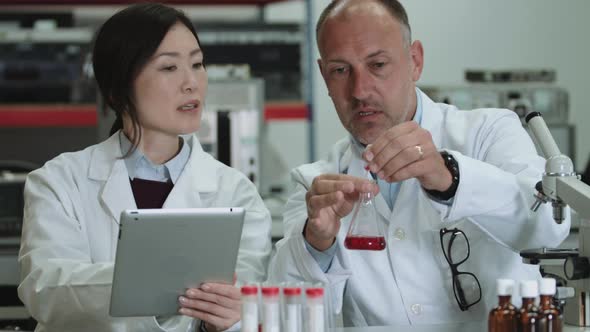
{"points": [[410, 281]]}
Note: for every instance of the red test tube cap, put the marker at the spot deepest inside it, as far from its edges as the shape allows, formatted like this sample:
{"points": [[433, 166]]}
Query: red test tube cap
{"points": [[249, 290], [270, 291], [314, 292], [292, 291]]}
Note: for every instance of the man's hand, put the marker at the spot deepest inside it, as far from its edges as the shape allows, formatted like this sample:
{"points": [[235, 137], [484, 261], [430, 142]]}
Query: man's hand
{"points": [[218, 305], [407, 151], [330, 198]]}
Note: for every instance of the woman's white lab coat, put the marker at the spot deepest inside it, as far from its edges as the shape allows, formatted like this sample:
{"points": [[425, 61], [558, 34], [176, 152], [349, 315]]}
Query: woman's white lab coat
{"points": [[410, 281], [72, 210]]}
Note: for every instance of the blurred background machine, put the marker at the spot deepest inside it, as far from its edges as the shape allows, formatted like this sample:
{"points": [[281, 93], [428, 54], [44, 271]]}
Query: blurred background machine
{"points": [[520, 97]]}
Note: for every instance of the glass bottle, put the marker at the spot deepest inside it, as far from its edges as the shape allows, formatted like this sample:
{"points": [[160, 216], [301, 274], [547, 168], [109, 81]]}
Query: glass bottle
{"points": [[364, 232], [528, 314], [503, 317], [551, 317]]}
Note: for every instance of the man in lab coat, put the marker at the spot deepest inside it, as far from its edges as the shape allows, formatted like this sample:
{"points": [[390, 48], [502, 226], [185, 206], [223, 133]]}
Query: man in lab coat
{"points": [[455, 186]]}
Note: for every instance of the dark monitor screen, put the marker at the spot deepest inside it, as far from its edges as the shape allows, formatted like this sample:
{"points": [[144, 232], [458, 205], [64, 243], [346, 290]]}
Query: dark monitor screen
{"points": [[11, 201]]}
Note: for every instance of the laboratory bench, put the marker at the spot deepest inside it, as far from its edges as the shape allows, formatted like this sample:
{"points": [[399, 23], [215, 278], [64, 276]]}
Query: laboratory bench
{"points": [[475, 327], [424, 328]]}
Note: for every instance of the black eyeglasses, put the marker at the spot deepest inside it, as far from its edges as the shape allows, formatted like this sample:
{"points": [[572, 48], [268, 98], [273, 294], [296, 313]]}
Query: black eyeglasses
{"points": [[466, 287]]}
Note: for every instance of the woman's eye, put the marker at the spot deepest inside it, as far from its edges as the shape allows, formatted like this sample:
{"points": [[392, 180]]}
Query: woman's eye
{"points": [[169, 68], [198, 65]]}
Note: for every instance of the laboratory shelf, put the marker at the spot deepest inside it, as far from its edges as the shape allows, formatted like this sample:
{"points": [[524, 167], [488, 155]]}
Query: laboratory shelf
{"points": [[84, 115], [126, 2]]}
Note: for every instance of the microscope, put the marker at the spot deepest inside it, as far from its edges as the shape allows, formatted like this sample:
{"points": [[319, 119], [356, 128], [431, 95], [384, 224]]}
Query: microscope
{"points": [[560, 187]]}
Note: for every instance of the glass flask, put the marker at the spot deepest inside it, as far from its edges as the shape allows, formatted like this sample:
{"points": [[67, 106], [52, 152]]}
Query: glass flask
{"points": [[364, 232]]}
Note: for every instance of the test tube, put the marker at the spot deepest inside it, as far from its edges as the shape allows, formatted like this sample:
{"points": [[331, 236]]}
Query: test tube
{"points": [[315, 309], [292, 309], [249, 308], [270, 313]]}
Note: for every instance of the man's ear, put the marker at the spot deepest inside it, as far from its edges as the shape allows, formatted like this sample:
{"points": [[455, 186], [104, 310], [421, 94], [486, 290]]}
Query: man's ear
{"points": [[321, 67], [417, 58]]}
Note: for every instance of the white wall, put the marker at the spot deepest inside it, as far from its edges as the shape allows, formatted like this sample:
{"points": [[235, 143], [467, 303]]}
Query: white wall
{"points": [[499, 34]]}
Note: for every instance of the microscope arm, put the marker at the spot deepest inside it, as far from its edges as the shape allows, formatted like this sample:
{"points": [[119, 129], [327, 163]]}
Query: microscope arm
{"points": [[576, 194]]}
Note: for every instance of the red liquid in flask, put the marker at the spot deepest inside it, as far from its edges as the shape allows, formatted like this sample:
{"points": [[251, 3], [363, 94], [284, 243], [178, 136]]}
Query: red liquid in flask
{"points": [[365, 242]]}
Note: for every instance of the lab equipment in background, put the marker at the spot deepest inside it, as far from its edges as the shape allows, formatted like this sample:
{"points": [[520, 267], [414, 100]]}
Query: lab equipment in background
{"points": [[45, 64], [528, 315], [586, 174], [561, 186], [364, 232], [231, 125], [11, 207], [272, 51], [551, 101], [45, 92], [12, 310], [503, 317], [551, 317]]}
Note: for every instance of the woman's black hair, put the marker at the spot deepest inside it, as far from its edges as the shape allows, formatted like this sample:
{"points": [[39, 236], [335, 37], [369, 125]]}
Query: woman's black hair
{"points": [[123, 46]]}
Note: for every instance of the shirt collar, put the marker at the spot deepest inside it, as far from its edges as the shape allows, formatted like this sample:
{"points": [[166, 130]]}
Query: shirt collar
{"points": [[138, 164]]}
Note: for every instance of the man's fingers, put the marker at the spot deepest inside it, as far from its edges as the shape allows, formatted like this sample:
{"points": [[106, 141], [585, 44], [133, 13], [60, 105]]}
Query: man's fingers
{"points": [[318, 202], [406, 157], [330, 186], [389, 136]]}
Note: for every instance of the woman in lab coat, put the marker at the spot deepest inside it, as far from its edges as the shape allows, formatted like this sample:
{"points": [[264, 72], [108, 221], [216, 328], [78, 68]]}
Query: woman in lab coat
{"points": [[149, 67]]}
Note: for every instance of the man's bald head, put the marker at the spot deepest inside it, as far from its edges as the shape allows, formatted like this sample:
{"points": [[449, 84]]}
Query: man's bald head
{"points": [[348, 8]]}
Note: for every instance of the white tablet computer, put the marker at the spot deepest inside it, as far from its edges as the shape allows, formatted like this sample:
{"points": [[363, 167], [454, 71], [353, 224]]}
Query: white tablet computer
{"points": [[162, 252]]}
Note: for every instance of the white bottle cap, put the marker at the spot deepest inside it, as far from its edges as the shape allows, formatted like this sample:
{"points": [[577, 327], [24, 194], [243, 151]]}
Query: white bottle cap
{"points": [[547, 286], [504, 287], [529, 288]]}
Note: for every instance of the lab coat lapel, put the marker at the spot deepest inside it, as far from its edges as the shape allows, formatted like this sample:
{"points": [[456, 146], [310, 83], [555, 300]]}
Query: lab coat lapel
{"points": [[196, 180], [116, 194], [432, 119]]}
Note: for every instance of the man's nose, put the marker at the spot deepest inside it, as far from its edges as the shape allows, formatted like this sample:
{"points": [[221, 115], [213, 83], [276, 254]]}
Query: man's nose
{"points": [[361, 82]]}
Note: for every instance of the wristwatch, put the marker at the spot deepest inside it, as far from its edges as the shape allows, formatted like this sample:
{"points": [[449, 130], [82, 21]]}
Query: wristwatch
{"points": [[202, 327], [453, 167]]}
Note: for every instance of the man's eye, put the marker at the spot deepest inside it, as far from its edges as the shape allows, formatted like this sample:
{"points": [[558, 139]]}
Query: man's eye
{"points": [[379, 65], [339, 70]]}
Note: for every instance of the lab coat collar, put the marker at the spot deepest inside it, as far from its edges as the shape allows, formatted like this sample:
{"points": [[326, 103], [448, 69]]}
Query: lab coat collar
{"points": [[107, 165]]}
